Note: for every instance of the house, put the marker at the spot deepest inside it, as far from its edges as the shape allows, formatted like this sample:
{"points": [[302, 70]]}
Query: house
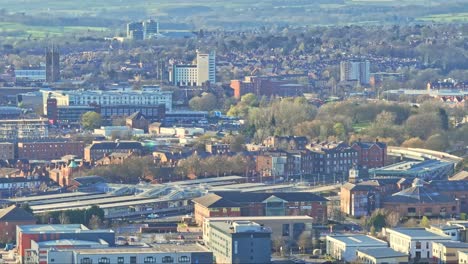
{"points": [[11, 217], [380, 256], [344, 246]]}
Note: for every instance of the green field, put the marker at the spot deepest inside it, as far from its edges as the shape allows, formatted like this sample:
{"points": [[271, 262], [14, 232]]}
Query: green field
{"points": [[446, 18], [112, 15], [360, 126], [23, 31]]}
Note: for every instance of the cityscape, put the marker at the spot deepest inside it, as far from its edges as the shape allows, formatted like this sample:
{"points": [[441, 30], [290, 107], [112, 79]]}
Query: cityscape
{"points": [[217, 132]]}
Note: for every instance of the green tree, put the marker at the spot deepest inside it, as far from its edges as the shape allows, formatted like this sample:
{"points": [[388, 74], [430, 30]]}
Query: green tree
{"points": [[424, 222], [91, 120]]}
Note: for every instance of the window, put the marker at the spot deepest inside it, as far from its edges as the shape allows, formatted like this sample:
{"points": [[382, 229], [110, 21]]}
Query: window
{"points": [[167, 259], [133, 260], [184, 259], [86, 261], [149, 260], [418, 255], [418, 245], [285, 229], [120, 260], [411, 210], [104, 261]]}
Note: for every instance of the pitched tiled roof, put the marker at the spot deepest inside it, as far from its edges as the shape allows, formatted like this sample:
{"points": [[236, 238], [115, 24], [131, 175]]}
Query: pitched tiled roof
{"points": [[13, 213], [237, 198], [137, 115], [418, 194]]}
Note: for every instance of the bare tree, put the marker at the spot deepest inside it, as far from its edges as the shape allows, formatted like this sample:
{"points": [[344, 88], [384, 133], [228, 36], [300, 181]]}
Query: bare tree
{"points": [[64, 219], [305, 241]]}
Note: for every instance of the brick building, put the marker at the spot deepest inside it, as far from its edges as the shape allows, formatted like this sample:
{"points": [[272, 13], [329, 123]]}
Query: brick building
{"points": [[263, 86], [27, 235], [286, 142], [333, 157], [98, 149], [233, 204], [419, 200], [371, 154], [137, 120], [11, 217], [49, 150]]}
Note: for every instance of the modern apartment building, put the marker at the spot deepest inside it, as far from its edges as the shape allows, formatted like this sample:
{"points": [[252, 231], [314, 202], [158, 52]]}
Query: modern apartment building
{"points": [[23, 129], [141, 30], [355, 71], [239, 242]]}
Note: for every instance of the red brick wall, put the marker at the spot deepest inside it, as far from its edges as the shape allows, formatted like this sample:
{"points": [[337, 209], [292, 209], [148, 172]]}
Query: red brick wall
{"points": [[49, 150], [8, 229]]}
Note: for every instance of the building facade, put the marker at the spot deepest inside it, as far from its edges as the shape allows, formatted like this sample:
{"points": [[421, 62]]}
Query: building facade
{"points": [[416, 242], [371, 154], [7, 151], [196, 75], [98, 149], [234, 204], [239, 242], [52, 64], [49, 150], [355, 71], [147, 96], [344, 246], [23, 129]]}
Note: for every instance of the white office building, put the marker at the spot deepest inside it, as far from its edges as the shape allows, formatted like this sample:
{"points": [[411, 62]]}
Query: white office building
{"points": [[344, 246], [148, 95], [196, 75], [417, 242]]}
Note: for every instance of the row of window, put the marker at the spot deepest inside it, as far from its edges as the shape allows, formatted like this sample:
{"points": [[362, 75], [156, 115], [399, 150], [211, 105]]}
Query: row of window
{"points": [[133, 260]]}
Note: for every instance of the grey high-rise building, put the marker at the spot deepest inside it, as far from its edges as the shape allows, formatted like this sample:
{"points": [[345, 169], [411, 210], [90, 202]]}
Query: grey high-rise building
{"points": [[135, 30], [150, 28], [355, 71], [52, 64]]}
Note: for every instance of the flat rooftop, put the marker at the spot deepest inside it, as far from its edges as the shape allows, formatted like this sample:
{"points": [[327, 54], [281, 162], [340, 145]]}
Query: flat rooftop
{"points": [[71, 242], [417, 233], [260, 218], [454, 244], [50, 196], [52, 228], [382, 252], [360, 240], [157, 248]]}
